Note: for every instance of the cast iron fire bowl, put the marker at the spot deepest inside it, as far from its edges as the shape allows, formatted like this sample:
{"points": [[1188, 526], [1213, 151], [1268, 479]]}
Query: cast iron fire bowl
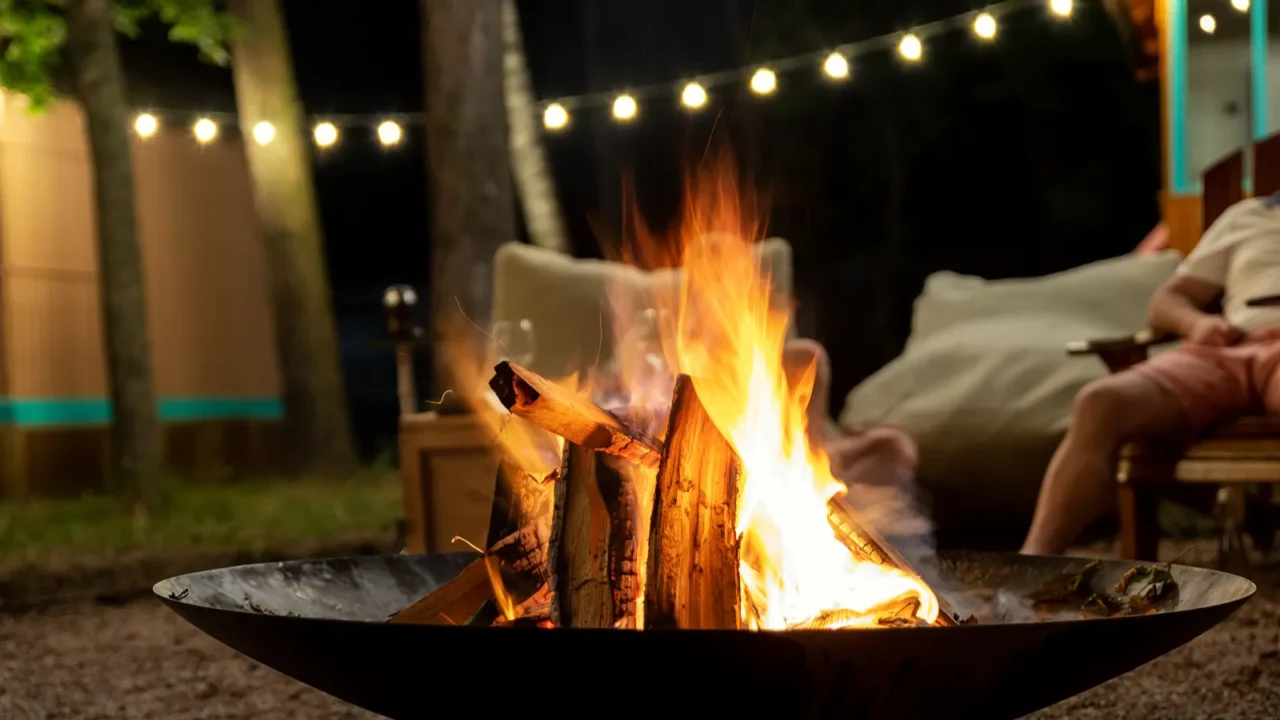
{"points": [[323, 622]]}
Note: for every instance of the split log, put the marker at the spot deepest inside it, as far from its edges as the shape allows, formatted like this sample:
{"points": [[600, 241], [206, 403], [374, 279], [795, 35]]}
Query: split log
{"points": [[521, 560], [692, 580], [550, 406], [592, 554], [453, 603]]}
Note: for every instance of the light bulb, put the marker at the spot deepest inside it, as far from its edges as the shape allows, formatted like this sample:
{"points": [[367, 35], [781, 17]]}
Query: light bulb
{"points": [[911, 48], [836, 66], [1241, 5], [1207, 24], [624, 107], [146, 125], [555, 116], [205, 129], [264, 132], [764, 81], [693, 96], [984, 26], [389, 133], [326, 134], [1061, 8]]}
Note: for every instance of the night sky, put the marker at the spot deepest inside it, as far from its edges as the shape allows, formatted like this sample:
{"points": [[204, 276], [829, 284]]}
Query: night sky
{"points": [[1029, 156]]}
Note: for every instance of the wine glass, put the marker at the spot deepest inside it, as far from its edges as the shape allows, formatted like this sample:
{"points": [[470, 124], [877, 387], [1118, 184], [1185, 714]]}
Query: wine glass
{"points": [[513, 341]]}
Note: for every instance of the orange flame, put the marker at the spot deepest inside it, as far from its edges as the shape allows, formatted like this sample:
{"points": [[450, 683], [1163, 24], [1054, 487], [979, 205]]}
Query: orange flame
{"points": [[727, 331]]}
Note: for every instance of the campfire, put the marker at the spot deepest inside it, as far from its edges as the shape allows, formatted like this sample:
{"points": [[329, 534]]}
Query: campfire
{"points": [[712, 508]]}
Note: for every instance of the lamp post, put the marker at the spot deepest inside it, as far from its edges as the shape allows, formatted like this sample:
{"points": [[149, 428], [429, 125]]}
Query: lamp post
{"points": [[400, 302]]}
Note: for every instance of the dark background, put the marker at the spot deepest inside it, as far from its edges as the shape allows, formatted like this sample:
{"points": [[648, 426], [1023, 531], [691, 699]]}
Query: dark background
{"points": [[1031, 155]]}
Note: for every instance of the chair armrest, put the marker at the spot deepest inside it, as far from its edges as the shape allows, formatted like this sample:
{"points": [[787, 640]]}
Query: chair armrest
{"points": [[1119, 353]]}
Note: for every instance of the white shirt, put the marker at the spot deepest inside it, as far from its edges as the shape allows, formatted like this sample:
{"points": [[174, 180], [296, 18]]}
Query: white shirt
{"points": [[1240, 253]]}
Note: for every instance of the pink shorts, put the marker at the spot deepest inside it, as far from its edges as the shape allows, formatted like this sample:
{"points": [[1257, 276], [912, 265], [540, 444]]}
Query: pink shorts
{"points": [[1213, 383]]}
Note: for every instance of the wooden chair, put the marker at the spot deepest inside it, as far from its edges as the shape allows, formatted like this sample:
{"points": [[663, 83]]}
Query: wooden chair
{"points": [[1235, 454]]}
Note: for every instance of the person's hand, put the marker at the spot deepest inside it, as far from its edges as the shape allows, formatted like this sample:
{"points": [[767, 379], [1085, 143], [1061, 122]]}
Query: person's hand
{"points": [[1213, 331]]}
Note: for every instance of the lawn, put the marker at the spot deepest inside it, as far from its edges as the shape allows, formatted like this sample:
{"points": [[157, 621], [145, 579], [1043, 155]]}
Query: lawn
{"points": [[245, 517]]}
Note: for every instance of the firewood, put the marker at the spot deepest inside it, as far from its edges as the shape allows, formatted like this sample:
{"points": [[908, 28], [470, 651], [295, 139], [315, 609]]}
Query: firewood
{"points": [[535, 611], [865, 542], [552, 407], [692, 578], [521, 561], [593, 552], [454, 602]]}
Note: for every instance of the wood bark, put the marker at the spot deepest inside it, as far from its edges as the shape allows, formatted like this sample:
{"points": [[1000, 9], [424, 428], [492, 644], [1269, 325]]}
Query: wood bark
{"points": [[315, 401], [453, 603], [692, 578], [535, 184], [551, 407], [595, 543], [136, 443], [472, 210]]}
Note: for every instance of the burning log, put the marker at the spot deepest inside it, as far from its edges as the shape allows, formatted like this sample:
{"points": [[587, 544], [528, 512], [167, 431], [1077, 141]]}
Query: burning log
{"points": [[540, 401], [592, 555], [693, 545], [453, 603]]}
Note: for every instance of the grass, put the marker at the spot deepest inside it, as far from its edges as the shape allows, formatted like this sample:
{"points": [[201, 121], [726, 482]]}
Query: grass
{"points": [[244, 516]]}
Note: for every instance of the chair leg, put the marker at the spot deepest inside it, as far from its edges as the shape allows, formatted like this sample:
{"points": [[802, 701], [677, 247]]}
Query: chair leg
{"points": [[1139, 524], [1232, 555]]}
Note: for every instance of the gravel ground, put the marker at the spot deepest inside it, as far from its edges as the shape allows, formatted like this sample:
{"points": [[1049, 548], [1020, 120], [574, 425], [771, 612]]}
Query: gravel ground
{"points": [[139, 660]]}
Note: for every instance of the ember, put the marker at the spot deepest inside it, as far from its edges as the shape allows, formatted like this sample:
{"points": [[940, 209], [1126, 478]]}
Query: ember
{"points": [[733, 519]]}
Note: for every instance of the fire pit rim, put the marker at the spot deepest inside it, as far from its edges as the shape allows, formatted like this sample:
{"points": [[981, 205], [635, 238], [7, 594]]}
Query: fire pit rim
{"points": [[171, 592]]}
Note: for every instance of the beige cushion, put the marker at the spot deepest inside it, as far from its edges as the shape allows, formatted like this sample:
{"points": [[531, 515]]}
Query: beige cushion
{"points": [[568, 301], [984, 385]]}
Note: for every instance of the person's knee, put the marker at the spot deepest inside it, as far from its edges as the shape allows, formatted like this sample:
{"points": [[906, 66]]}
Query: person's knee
{"points": [[892, 446], [1098, 403]]}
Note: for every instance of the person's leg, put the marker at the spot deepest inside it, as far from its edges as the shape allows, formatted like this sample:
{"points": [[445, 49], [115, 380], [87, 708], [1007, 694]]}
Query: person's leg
{"points": [[1079, 486]]}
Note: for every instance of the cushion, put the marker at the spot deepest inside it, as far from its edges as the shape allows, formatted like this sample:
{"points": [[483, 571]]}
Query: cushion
{"points": [[570, 302], [984, 385]]}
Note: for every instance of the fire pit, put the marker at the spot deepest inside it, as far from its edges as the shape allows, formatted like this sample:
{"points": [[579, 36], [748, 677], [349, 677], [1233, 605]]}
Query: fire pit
{"points": [[324, 622], [693, 552]]}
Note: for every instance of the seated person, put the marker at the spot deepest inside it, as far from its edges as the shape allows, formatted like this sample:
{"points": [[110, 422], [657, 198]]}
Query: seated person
{"points": [[877, 464], [1228, 365]]}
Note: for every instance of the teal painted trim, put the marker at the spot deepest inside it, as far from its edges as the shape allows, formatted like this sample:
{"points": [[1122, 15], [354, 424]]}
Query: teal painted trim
{"points": [[1258, 47], [45, 412], [1178, 97]]}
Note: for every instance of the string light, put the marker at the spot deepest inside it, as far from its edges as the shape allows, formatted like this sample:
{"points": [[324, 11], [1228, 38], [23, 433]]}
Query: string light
{"points": [[694, 96], [836, 66], [624, 107], [1241, 5], [984, 26], [1207, 24], [326, 134], [264, 132], [146, 125], [205, 129], [764, 81], [389, 133], [1061, 8], [555, 116], [910, 47]]}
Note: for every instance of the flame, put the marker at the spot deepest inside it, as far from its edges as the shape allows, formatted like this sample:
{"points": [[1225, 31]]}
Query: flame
{"points": [[723, 326]]}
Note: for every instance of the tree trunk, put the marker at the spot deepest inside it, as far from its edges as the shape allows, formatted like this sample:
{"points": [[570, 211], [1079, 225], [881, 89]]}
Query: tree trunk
{"points": [[136, 444], [468, 163], [315, 401], [535, 184]]}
